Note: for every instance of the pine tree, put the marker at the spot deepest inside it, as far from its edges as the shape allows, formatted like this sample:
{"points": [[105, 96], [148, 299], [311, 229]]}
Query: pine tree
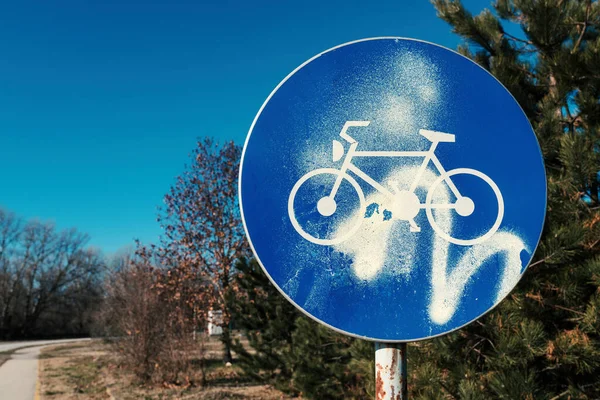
{"points": [[320, 357], [543, 341], [329, 365], [267, 320], [289, 350]]}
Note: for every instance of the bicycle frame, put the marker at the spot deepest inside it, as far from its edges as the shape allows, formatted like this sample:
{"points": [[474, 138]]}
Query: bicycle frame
{"points": [[405, 204], [428, 156]]}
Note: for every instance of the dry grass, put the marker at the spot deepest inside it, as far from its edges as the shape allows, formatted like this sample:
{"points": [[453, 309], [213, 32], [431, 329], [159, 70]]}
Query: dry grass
{"points": [[92, 371]]}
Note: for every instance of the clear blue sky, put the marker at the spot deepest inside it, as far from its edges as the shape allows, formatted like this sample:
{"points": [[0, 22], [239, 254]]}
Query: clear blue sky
{"points": [[102, 101]]}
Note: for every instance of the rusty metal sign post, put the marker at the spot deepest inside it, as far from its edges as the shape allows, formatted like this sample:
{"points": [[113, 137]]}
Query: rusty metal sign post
{"points": [[390, 371]]}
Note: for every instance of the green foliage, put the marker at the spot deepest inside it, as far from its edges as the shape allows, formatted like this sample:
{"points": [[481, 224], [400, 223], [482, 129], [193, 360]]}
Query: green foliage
{"points": [[267, 320], [290, 351], [319, 356], [543, 341]]}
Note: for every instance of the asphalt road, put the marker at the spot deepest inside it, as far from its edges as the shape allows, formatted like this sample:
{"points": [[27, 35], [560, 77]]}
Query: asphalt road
{"points": [[18, 376]]}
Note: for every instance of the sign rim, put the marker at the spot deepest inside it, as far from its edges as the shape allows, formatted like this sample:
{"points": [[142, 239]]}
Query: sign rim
{"points": [[302, 310]]}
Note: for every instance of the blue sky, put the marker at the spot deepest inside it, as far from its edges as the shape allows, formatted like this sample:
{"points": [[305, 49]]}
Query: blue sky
{"points": [[101, 102]]}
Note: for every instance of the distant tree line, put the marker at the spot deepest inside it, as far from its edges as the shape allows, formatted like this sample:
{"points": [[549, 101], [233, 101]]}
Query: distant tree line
{"points": [[50, 281]]}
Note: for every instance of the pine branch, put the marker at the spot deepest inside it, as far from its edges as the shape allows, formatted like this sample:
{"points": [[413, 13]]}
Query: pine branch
{"points": [[512, 37], [561, 395], [594, 243], [543, 260], [448, 391], [488, 340], [567, 309], [584, 28], [475, 345]]}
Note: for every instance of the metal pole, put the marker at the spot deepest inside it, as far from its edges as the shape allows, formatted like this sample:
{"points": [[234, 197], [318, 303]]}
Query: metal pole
{"points": [[390, 371]]}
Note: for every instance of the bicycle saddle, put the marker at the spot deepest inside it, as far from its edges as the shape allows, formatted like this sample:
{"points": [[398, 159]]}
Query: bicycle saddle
{"points": [[434, 136]]}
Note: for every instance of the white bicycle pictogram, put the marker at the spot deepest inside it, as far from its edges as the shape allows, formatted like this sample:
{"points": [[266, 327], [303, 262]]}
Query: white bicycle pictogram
{"points": [[407, 203]]}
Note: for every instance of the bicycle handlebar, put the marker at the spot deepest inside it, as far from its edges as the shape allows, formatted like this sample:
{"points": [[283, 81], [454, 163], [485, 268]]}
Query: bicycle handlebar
{"points": [[349, 124]]}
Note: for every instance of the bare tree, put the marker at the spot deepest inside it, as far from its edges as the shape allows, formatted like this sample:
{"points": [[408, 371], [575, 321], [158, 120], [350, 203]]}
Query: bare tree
{"points": [[201, 219], [150, 313], [44, 274], [10, 275]]}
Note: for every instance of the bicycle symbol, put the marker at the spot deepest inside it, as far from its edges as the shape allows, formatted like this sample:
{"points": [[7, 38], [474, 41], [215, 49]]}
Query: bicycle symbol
{"points": [[406, 203]]}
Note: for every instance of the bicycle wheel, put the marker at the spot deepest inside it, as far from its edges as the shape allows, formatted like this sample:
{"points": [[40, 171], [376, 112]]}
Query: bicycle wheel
{"points": [[487, 234], [353, 226]]}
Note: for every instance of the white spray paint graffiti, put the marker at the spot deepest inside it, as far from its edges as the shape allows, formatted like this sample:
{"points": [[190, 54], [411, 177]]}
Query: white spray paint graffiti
{"points": [[401, 98], [375, 245], [448, 287], [374, 248]]}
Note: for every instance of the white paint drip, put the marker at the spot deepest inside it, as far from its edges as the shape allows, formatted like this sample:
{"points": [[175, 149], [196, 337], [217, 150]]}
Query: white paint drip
{"points": [[388, 245], [448, 288], [369, 246], [380, 243]]}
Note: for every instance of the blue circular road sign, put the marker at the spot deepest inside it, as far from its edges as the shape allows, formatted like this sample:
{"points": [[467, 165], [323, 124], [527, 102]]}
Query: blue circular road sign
{"points": [[392, 189]]}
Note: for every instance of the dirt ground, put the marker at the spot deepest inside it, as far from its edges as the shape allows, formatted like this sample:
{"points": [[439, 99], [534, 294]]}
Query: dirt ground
{"points": [[91, 370]]}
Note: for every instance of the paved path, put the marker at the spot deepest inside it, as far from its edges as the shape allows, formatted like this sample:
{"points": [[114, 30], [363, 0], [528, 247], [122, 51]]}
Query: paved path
{"points": [[18, 376], [7, 346]]}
